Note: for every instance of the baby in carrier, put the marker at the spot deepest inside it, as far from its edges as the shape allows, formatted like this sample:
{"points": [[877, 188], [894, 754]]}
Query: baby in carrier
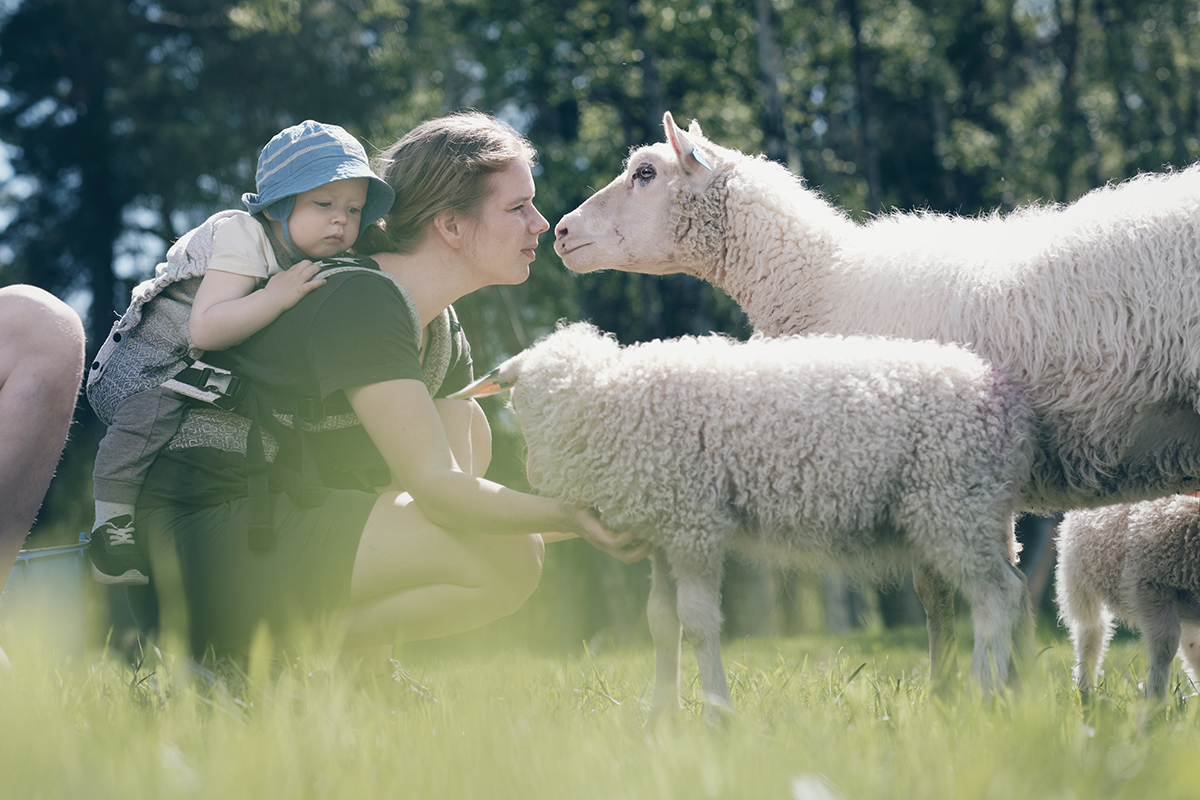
{"points": [[316, 194]]}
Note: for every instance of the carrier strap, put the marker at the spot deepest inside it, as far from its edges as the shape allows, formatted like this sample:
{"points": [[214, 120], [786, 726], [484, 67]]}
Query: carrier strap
{"points": [[261, 534], [209, 384], [267, 414]]}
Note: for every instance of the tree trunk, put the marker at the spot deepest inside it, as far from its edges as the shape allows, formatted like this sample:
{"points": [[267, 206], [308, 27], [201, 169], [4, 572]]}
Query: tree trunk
{"points": [[774, 124], [1067, 148], [100, 208], [862, 75]]}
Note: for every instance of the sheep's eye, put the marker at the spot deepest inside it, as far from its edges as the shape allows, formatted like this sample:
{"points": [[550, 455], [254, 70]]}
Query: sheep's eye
{"points": [[644, 174]]}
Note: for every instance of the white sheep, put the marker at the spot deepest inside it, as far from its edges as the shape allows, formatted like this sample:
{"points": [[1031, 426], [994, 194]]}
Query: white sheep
{"points": [[1140, 564], [871, 455], [1091, 307]]}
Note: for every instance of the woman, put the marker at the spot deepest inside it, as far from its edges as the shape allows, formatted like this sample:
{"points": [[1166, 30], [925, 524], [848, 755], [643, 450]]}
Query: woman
{"points": [[441, 549]]}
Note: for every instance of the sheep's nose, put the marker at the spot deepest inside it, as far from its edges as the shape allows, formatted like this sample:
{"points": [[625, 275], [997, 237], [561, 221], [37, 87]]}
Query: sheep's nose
{"points": [[560, 231]]}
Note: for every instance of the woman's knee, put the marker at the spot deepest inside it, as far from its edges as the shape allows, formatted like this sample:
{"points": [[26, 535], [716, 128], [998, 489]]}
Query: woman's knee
{"points": [[481, 441], [36, 325], [516, 571], [35, 313]]}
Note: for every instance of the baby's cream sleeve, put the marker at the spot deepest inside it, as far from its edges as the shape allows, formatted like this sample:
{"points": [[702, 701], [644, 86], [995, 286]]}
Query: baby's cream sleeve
{"points": [[240, 246]]}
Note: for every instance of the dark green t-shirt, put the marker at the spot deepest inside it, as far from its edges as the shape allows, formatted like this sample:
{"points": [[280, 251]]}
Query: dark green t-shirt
{"points": [[353, 331]]}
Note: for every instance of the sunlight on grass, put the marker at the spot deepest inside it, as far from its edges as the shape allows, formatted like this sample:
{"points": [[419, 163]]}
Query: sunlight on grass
{"points": [[818, 717]]}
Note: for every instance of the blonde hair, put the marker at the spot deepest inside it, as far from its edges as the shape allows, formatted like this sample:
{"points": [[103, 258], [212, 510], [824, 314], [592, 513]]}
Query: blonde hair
{"points": [[442, 165]]}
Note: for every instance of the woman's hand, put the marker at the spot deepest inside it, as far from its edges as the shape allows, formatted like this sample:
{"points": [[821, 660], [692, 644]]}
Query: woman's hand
{"points": [[621, 546]]}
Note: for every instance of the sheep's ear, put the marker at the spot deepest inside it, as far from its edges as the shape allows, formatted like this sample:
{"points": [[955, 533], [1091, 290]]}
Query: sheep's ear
{"points": [[694, 128], [690, 157], [501, 378]]}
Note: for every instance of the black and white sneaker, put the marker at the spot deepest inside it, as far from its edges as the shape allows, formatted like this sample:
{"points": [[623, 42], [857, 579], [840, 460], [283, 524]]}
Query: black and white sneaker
{"points": [[117, 558]]}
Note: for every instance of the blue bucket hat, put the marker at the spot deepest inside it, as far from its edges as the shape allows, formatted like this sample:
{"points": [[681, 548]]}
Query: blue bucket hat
{"points": [[306, 156]]}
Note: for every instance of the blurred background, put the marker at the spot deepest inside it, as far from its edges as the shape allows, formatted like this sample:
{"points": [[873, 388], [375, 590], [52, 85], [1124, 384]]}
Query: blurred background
{"points": [[123, 124]]}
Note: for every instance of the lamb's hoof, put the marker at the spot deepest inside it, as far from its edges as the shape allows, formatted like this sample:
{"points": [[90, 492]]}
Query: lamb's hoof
{"points": [[947, 691], [659, 716], [718, 711]]}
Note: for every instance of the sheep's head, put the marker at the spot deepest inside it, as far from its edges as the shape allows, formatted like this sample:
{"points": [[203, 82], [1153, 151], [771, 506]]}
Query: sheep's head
{"points": [[631, 224], [554, 385], [561, 359]]}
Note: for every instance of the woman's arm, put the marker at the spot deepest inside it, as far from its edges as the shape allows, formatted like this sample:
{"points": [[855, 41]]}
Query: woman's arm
{"points": [[408, 431], [471, 443], [468, 433], [228, 310]]}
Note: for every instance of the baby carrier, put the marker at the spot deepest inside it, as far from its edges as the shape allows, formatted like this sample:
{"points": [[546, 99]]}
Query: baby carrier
{"points": [[150, 346], [150, 343]]}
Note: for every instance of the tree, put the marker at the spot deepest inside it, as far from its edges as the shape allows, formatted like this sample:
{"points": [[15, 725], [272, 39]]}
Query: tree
{"points": [[136, 119], [129, 122]]}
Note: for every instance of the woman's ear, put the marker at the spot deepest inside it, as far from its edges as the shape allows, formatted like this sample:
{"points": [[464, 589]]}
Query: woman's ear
{"points": [[450, 227]]}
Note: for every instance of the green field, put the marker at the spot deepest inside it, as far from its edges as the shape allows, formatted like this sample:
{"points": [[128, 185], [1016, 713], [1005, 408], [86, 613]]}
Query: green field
{"points": [[819, 717]]}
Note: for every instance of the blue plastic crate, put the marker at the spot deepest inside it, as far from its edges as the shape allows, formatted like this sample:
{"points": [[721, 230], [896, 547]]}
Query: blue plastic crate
{"points": [[43, 600]]}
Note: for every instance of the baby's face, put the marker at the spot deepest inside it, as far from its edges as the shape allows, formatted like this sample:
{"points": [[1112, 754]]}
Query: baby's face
{"points": [[325, 220]]}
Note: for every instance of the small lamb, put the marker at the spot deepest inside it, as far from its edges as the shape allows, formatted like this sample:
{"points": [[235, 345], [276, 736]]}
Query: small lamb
{"points": [[869, 455], [1140, 564]]}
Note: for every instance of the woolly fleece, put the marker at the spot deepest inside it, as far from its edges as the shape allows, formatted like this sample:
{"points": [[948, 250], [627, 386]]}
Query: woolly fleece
{"points": [[1089, 307], [868, 454], [1139, 564]]}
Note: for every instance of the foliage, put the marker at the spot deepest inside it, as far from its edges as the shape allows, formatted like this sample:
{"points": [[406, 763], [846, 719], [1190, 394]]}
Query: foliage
{"points": [[132, 120], [818, 718], [126, 122]]}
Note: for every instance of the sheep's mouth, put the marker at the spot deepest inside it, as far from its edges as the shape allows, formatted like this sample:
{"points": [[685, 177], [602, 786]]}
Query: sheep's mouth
{"points": [[567, 250]]}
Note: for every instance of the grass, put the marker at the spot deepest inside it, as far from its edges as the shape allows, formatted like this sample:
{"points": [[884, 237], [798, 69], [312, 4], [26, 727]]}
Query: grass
{"points": [[819, 717]]}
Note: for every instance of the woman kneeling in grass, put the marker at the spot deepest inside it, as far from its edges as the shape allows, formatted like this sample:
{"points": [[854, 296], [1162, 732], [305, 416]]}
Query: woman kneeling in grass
{"points": [[381, 518]]}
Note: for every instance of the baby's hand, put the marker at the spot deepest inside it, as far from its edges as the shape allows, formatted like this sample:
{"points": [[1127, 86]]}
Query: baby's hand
{"points": [[287, 287]]}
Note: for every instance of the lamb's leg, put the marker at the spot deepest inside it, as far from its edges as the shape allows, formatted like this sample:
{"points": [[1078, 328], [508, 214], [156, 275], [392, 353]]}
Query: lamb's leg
{"points": [[667, 634], [1088, 620], [1190, 651], [997, 601], [699, 609], [1024, 645], [938, 598], [1090, 638], [1161, 630]]}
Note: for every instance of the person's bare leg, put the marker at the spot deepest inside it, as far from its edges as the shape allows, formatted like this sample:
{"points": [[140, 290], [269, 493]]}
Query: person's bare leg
{"points": [[413, 580], [369, 648], [41, 366]]}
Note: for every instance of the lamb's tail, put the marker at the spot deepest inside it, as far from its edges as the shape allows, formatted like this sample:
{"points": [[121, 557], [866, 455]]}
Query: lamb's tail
{"points": [[1014, 548], [1012, 423]]}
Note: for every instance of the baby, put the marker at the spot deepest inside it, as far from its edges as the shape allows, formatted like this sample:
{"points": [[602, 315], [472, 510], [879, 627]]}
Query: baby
{"points": [[316, 193]]}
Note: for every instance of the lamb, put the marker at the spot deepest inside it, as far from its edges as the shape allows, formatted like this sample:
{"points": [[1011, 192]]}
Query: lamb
{"points": [[867, 454], [1089, 307], [1139, 563]]}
